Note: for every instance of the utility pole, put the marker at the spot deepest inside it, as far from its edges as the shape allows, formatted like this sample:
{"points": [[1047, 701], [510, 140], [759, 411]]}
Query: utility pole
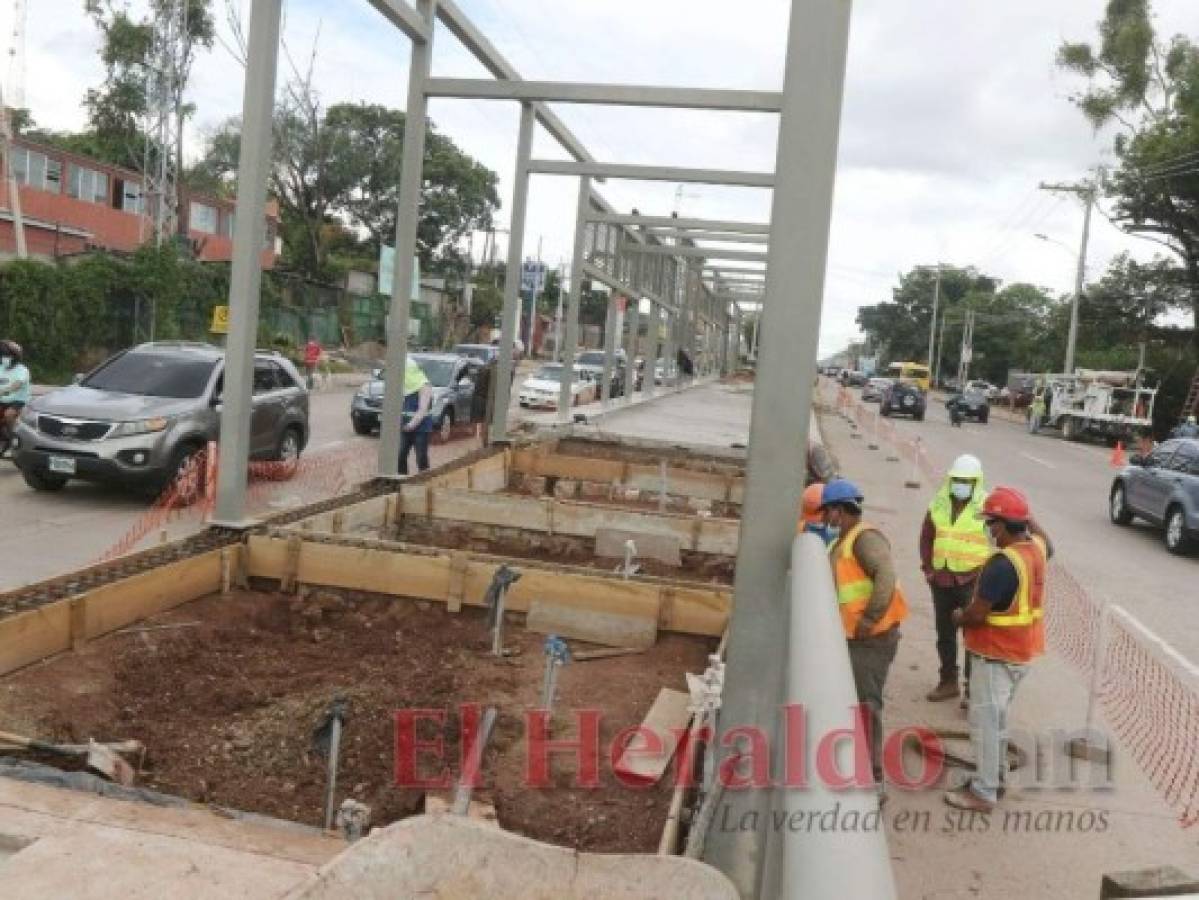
{"points": [[14, 190], [932, 325], [940, 345], [1087, 191], [967, 350]]}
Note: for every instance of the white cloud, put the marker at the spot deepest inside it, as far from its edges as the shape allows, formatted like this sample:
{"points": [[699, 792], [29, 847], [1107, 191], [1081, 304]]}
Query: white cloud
{"points": [[953, 114]]}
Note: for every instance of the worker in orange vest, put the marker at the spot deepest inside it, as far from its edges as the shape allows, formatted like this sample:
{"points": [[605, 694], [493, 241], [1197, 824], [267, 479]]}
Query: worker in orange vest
{"points": [[870, 601], [1004, 631]]}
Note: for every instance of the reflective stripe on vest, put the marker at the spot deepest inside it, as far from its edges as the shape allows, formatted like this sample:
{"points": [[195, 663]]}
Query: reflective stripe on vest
{"points": [[1018, 633], [854, 587], [962, 545]]}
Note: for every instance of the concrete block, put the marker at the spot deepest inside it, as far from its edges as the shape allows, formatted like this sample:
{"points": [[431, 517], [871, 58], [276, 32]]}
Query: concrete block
{"points": [[609, 544], [1163, 881], [566, 489], [594, 491], [534, 485], [609, 629]]}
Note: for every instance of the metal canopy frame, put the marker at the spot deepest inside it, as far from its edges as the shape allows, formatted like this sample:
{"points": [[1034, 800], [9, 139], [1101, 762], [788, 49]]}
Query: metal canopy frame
{"points": [[759, 861]]}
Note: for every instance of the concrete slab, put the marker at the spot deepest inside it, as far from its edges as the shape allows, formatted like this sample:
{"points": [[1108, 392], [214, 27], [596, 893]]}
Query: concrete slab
{"points": [[610, 544], [596, 627]]}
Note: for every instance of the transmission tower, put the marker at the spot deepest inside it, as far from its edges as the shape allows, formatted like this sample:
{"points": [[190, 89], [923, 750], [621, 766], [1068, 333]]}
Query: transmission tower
{"points": [[164, 119]]}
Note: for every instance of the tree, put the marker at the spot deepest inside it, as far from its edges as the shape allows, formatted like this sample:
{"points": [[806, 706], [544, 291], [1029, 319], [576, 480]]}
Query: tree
{"points": [[1148, 88]]}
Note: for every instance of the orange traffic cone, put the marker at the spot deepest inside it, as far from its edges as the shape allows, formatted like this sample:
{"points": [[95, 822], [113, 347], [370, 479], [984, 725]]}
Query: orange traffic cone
{"points": [[1118, 459]]}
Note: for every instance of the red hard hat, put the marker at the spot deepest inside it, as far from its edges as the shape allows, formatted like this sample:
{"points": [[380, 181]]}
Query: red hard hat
{"points": [[1006, 503]]}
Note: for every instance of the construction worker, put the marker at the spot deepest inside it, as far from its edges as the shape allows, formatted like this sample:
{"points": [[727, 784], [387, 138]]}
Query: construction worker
{"points": [[870, 601], [953, 548], [1004, 630], [812, 518]]}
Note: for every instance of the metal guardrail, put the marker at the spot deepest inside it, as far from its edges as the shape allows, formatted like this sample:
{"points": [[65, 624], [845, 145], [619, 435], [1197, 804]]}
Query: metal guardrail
{"points": [[814, 863]]}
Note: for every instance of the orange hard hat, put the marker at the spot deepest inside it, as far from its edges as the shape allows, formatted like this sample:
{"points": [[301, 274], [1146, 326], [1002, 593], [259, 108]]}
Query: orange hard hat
{"points": [[1006, 503], [812, 498]]}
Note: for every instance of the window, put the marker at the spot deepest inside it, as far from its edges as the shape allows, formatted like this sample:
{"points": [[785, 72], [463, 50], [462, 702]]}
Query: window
{"points": [[152, 374], [227, 221], [203, 218], [128, 197], [264, 378], [36, 169], [87, 184], [1161, 455], [1186, 460]]}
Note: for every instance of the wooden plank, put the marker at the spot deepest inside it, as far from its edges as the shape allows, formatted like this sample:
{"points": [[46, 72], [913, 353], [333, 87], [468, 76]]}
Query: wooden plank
{"points": [[667, 719], [610, 544], [401, 570], [595, 626], [679, 481], [141, 596], [31, 636], [459, 563], [490, 475]]}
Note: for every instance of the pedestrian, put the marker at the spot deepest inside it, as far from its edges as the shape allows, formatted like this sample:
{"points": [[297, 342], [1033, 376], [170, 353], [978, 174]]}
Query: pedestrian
{"points": [[418, 424], [871, 603], [312, 356], [1004, 631], [16, 386], [482, 399], [1036, 411], [1188, 429], [953, 549]]}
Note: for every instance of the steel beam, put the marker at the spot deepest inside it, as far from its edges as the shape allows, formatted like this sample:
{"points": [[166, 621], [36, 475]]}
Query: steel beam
{"points": [[806, 163], [604, 94], [505, 370], [407, 216], [612, 218], [405, 18], [731, 237], [245, 281], [652, 173], [700, 252], [735, 270], [576, 300], [597, 274]]}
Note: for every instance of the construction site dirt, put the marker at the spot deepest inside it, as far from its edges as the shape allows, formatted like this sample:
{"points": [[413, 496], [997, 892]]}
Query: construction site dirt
{"points": [[225, 694]]}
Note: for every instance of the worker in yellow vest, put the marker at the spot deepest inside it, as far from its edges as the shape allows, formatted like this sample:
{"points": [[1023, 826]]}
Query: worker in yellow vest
{"points": [[870, 601], [953, 548], [1004, 631]]}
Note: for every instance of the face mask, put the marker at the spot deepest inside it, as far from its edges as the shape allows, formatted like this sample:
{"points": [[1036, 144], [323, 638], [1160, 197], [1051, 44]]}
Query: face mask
{"points": [[961, 491], [831, 533]]}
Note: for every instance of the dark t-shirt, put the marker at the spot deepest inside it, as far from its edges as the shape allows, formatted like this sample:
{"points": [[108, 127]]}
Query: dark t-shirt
{"points": [[998, 583]]}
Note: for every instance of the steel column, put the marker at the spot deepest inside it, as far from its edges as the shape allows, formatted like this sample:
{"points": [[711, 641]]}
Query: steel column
{"points": [[806, 165], [245, 282], [407, 216], [576, 301], [633, 318], [609, 350], [505, 370], [651, 352]]}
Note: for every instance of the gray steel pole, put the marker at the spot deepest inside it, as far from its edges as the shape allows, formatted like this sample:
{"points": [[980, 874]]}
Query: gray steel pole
{"points": [[805, 168], [245, 282], [633, 315], [505, 370], [651, 352], [558, 319], [932, 327], [575, 301], [1079, 279], [609, 350], [940, 344], [407, 216]]}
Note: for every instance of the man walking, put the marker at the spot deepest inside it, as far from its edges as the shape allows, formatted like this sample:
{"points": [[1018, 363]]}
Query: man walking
{"points": [[1004, 630], [870, 601], [953, 548]]}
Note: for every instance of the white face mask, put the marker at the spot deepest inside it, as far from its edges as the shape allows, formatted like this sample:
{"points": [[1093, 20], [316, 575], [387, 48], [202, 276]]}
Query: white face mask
{"points": [[961, 491]]}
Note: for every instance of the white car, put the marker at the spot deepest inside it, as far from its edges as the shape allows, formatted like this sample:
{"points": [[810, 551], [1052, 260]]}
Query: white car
{"points": [[540, 390]]}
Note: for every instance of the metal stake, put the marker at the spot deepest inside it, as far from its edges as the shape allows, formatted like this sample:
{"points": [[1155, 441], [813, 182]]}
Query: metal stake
{"points": [[557, 654], [661, 485]]}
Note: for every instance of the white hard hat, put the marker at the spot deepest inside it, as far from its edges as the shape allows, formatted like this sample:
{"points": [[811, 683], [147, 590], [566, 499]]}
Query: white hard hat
{"points": [[966, 466]]}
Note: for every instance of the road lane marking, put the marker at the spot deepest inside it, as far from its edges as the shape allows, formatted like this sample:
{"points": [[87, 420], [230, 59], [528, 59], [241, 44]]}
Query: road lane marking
{"points": [[1038, 460]]}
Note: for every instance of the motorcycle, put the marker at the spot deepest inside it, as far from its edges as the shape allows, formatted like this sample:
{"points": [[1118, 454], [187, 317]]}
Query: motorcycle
{"points": [[955, 413]]}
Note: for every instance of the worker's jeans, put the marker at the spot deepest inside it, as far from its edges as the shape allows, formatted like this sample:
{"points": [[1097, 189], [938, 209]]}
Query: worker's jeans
{"points": [[419, 440], [992, 686], [870, 659], [945, 601]]}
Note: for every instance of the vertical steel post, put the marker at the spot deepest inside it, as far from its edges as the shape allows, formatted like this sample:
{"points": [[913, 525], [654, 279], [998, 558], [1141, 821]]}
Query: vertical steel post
{"points": [[505, 369], [651, 352], [407, 217], [245, 282], [609, 350], [805, 170], [632, 317], [575, 301]]}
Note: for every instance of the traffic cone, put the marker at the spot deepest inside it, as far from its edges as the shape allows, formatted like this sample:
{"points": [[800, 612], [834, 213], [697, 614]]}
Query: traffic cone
{"points": [[1119, 461]]}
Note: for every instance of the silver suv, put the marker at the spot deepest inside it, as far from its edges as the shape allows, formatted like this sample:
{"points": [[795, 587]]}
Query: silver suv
{"points": [[139, 417]]}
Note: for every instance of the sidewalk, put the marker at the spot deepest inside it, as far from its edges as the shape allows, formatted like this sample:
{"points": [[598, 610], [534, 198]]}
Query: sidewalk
{"points": [[1070, 837]]}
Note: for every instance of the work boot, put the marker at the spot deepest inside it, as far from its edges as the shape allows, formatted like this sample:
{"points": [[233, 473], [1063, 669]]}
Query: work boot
{"points": [[945, 690], [964, 798]]}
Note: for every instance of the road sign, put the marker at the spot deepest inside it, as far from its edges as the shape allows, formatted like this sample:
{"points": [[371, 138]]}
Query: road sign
{"points": [[220, 320], [532, 276], [387, 261]]}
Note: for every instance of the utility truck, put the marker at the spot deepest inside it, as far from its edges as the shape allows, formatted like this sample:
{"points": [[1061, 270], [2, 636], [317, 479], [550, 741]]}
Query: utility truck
{"points": [[1110, 405]]}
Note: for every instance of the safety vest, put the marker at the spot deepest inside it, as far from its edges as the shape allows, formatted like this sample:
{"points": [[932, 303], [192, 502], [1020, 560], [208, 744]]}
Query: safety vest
{"points": [[854, 587], [1018, 634], [959, 546]]}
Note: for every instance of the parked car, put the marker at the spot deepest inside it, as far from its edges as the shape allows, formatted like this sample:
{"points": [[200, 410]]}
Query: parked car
{"points": [[484, 353], [140, 417], [1163, 489], [903, 398], [873, 390], [591, 364], [972, 404], [988, 390], [541, 389], [664, 371], [452, 378]]}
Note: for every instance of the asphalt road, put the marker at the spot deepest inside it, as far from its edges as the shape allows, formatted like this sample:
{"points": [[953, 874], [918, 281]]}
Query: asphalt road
{"points": [[1068, 485], [47, 534]]}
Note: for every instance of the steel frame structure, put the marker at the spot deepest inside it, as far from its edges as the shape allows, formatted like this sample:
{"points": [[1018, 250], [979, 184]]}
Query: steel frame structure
{"points": [[759, 861]]}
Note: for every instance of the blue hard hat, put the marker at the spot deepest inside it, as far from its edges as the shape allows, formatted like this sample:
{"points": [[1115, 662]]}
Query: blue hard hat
{"points": [[840, 491]]}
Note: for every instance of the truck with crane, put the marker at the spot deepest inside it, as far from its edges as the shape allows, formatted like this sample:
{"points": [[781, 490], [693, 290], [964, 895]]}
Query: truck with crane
{"points": [[1105, 404]]}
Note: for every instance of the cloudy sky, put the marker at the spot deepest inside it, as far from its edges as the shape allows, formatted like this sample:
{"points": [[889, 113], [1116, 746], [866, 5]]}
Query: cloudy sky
{"points": [[954, 113]]}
